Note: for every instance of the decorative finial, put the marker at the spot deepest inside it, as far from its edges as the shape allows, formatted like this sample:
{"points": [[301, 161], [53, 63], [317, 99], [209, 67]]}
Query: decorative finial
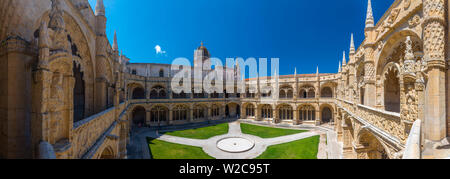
{"points": [[115, 44], [352, 45], [344, 60], [100, 8], [339, 67], [201, 44], [369, 18]]}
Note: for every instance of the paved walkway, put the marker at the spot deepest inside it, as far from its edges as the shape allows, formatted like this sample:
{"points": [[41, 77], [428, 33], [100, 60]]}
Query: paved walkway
{"points": [[139, 148]]}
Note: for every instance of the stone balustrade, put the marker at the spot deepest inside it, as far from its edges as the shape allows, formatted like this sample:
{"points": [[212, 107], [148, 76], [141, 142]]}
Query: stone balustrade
{"points": [[87, 132], [385, 124]]}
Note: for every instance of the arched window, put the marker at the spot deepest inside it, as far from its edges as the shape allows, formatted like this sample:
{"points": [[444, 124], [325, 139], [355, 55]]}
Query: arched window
{"points": [[138, 93], [392, 91], [286, 92], [215, 111], [199, 112], [161, 73], [303, 94], [326, 92], [78, 94], [158, 92], [285, 112], [250, 110], [159, 114], [266, 111], [139, 115], [311, 94], [327, 115], [180, 113], [307, 113]]}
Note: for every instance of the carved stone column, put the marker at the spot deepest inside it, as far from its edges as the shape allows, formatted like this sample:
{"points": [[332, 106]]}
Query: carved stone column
{"points": [[434, 35], [369, 78]]}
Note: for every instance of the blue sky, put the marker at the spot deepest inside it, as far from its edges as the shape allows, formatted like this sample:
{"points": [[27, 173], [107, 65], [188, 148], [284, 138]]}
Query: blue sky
{"points": [[302, 33]]}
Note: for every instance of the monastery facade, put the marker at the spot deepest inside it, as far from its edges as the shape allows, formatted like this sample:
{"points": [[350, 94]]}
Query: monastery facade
{"points": [[66, 92]]}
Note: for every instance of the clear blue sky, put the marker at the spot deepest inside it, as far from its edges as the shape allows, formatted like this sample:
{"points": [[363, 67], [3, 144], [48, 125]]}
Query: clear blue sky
{"points": [[302, 33]]}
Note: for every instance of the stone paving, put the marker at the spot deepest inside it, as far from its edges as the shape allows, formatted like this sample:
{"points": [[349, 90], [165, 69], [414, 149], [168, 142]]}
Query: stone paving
{"points": [[138, 148]]}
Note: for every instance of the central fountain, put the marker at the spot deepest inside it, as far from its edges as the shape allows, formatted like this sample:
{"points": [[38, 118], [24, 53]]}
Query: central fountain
{"points": [[235, 144]]}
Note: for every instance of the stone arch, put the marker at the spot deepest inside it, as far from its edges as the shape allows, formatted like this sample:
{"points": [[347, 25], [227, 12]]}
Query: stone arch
{"points": [[138, 116], [159, 114], [307, 112], [286, 92], [138, 92], [394, 45], [200, 111], [369, 146], [250, 109], [215, 110], [108, 153], [158, 92], [285, 112], [307, 91], [266, 111], [83, 59], [233, 109], [391, 81], [326, 113], [326, 92]]}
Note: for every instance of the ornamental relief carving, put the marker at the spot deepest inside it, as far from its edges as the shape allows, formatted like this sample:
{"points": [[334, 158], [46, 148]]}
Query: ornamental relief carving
{"points": [[413, 22]]}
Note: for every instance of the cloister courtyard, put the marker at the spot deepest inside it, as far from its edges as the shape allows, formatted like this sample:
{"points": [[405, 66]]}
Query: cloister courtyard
{"points": [[234, 139]]}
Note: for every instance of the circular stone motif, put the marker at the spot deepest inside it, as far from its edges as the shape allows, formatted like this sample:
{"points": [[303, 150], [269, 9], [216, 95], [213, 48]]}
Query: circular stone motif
{"points": [[235, 145]]}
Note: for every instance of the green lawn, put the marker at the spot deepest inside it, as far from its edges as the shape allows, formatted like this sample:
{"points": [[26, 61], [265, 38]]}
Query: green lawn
{"points": [[166, 150], [300, 149], [267, 132], [202, 133]]}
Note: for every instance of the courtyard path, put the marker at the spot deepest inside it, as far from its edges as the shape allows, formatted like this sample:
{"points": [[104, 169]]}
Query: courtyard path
{"points": [[138, 149]]}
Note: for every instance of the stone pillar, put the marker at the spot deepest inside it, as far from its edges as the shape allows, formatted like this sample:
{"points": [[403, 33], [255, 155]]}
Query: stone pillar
{"points": [[257, 113], [275, 115], [191, 114], [209, 113], [148, 118], [339, 128], [170, 117], [296, 118], [370, 79], [318, 120], [243, 113], [101, 96], [434, 34]]}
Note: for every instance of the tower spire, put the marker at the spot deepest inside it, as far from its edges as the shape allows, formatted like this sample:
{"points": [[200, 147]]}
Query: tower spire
{"points": [[344, 60], [369, 18], [340, 69], [100, 8], [352, 45], [115, 44]]}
